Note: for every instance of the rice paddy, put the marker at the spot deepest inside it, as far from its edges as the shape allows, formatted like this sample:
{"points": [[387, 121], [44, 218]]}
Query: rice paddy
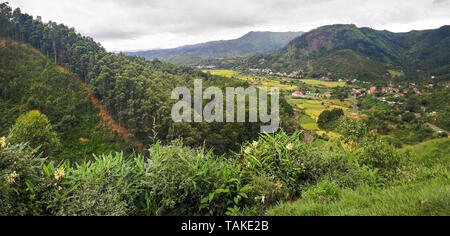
{"points": [[309, 109], [327, 84]]}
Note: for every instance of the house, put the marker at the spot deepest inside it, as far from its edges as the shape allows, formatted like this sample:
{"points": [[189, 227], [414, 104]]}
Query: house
{"points": [[356, 91], [298, 94]]}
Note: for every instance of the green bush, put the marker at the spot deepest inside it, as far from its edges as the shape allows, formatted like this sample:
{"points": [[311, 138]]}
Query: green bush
{"points": [[328, 120], [182, 181], [35, 129], [297, 162], [21, 185], [104, 186]]}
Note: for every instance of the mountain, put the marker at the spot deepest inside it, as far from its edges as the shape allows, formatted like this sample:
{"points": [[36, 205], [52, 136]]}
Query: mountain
{"points": [[250, 44], [349, 51]]}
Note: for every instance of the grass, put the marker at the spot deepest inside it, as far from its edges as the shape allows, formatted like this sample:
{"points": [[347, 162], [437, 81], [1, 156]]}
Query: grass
{"points": [[223, 73], [422, 189], [431, 199], [308, 123], [427, 153], [313, 109]]}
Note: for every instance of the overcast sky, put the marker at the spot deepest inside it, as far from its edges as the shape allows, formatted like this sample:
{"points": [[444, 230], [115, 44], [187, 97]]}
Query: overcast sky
{"points": [[148, 24]]}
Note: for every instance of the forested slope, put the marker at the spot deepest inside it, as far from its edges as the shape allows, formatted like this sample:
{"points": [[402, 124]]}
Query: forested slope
{"points": [[135, 92], [30, 81]]}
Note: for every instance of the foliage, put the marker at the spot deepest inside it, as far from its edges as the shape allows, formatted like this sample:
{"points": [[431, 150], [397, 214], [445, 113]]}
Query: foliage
{"points": [[177, 180], [21, 186], [421, 189], [184, 181], [35, 128], [29, 81], [327, 120]]}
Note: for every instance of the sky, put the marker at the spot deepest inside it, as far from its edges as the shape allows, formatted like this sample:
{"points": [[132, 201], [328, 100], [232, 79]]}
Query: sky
{"points": [[130, 25]]}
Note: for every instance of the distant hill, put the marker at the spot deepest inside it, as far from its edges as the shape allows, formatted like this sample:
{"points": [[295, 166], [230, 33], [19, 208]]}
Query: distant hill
{"points": [[349, 51], [250, 44]]}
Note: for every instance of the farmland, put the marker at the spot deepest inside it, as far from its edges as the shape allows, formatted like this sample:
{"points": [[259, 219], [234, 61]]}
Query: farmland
{"points": [[307, 110]]}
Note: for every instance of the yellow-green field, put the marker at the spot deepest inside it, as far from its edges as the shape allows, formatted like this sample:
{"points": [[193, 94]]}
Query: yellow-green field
{"points": [[313, 109], [223, 73], [396, 73], [327, 84]]}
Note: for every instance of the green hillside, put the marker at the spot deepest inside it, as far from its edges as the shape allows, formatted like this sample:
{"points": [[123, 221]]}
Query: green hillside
{"points": [[135, 92], [30, 81], [349, 51]]}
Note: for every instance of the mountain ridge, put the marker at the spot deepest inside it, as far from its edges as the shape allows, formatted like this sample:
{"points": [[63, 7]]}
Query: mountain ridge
{"points": [[253, 42], [417, 53]]}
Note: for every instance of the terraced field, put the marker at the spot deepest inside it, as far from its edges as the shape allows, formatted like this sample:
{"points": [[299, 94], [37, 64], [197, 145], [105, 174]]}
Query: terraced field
{"points": [[327, 84], [309, 109], [224, 73]]}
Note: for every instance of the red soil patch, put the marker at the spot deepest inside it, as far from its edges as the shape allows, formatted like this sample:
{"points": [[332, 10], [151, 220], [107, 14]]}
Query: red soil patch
{"points": [[83, 140], [105, 116]]}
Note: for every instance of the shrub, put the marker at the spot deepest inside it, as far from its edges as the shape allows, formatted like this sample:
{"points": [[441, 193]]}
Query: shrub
{"points": [[21, 185], [328, 119], [324, 192], [182, 181], [297, 164], [104, 186], [35, 129]]}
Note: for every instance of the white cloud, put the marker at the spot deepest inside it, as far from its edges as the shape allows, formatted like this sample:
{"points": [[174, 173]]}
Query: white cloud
{"points": [[144, 24]]}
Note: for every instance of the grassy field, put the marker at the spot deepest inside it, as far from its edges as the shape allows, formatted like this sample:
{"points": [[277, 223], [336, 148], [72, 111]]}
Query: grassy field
{"points": [[396, 73], [431, 199], [308, 123], [314, 108], [422, 188], [223, 73], [326, 84]]}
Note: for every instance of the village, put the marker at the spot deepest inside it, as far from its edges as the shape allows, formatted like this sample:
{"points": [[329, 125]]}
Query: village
{"points": [[311, 96]]}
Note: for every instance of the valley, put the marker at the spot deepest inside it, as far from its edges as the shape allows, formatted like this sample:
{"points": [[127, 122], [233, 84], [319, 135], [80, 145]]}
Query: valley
{"points": [[363, 119]]}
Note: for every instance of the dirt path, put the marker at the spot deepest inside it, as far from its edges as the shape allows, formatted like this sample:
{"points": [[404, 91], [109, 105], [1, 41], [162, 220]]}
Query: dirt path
{"points": [[437, 129], [105, 116]]}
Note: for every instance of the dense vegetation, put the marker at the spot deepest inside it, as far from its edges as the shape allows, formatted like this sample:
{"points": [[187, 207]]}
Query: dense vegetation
{"points": [[177, 180], [407, 123], [29, 81], [423, 189], [250, 44]]}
